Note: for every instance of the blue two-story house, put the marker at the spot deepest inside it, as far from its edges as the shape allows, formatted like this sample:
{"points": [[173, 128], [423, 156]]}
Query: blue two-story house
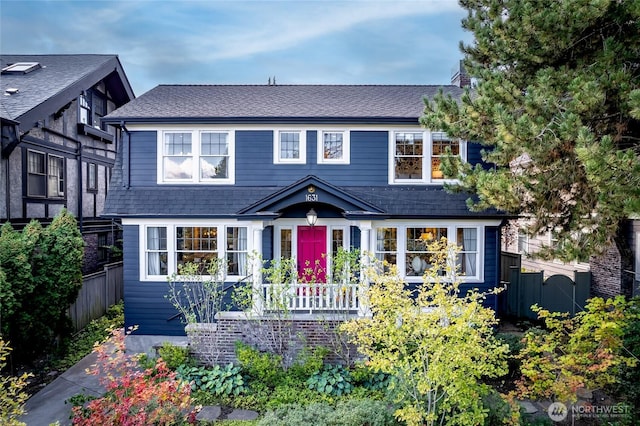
{"points": [[223, 171]]}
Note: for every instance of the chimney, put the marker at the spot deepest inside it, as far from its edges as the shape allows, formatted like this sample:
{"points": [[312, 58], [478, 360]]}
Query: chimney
{"points": [[459, 76]]}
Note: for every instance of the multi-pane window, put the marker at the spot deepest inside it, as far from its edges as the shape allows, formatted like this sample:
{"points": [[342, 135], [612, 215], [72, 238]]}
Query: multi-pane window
{"points": [[103, 248], [178, 156], [156, 250], [387, 245], [333, 147], [408, 162], [290, 147], [92, 176], [45, 175], [467, 240], [85, 110], [98, 107], [214, 155], [408, 247], [36, 174], [440, 144], [418, 255], [56, 176], [417, 156], [167, 248], [197, 245], [285, 243], [197, 157], [236, 250]]}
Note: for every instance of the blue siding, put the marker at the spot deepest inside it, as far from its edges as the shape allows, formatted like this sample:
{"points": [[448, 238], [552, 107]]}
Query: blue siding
{"points": [[143, 158], [254, 161], [145, 302]]}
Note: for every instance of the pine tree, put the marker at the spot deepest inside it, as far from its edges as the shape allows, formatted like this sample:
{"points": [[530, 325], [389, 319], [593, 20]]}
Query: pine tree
{"points": [[556, 102]]}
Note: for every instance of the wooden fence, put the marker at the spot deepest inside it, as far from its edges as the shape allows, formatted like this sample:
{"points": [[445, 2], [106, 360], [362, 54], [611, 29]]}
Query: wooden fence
{"points": [[99, 291], [558, 293]]}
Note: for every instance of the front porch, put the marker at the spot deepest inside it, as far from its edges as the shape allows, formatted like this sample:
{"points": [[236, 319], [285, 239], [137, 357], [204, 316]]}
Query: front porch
{"points": [[310, 298]]}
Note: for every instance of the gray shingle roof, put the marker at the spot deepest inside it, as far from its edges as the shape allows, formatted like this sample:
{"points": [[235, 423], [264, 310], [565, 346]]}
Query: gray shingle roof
{"points": [[58, 74], [246, 102], [396, 201]]}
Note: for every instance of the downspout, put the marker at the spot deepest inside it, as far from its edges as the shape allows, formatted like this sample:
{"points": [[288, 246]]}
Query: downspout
{"points": [[126, 161], [80, 188]]}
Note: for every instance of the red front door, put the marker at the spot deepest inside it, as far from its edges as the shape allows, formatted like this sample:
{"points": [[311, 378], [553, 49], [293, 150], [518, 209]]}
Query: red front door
{"points": [[312, 250]]}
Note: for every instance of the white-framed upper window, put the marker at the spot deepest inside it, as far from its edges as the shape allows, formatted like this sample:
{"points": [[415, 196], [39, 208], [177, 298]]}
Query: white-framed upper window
{"points": [[166, 248], [290, 147], [196, 156], [334, 147], [406, 246], [416, 155]]}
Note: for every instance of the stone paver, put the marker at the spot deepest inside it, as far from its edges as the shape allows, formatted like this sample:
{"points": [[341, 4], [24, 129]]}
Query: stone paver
{"points": [[209, 413], [242, 415]]}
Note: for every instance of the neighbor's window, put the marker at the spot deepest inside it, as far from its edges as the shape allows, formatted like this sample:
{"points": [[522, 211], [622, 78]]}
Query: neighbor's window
{"points": [[45, 175], [290, 147], [333, 147], [92, 177]]}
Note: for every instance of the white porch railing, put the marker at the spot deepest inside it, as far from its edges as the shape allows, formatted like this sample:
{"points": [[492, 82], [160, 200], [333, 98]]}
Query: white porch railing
{"points": [[316, 297]]}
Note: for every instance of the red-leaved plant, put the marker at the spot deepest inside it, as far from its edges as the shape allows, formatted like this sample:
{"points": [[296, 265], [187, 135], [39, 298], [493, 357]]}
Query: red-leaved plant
{"points": [[133, 396]]}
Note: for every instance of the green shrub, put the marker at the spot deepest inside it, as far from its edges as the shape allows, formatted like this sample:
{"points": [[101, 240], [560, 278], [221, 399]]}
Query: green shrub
{"points": [[174, 356], [286, 394], [74, 348], [346, 413], [307, 363], [331, 380], [261, 366], [217, 380]]}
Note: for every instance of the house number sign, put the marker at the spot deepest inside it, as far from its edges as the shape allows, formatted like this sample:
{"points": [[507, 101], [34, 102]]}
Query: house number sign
{"points": [[311, 194]]}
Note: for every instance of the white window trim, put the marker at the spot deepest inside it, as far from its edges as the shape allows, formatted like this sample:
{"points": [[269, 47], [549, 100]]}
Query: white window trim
{"points": [[303, 147], [426, 158], [401, 244], [195, 154], [172, 252], [346, 147]]}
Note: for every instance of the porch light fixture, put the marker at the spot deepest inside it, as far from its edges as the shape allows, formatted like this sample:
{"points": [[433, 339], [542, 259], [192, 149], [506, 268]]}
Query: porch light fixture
{"points": [[312, 217]]}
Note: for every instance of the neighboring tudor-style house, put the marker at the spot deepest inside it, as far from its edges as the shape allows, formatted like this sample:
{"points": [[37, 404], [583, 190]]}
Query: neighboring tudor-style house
{"points": [[55, 151], [223, 171]]}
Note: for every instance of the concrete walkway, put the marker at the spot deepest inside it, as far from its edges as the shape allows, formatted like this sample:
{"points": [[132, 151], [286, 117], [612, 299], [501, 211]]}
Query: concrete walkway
{"points": [[48, 405]]}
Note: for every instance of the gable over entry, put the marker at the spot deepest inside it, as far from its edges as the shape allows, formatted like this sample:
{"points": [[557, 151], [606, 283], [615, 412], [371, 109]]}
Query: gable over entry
{"points": [[314, 193]]}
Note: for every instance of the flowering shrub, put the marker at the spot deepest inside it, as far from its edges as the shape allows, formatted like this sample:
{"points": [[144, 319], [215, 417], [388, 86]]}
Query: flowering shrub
{"points": [[12, 395], [134, 396]]}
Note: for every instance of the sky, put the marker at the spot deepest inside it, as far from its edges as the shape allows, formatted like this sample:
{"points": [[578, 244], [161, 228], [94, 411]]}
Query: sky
{"points": [[247, 42]]}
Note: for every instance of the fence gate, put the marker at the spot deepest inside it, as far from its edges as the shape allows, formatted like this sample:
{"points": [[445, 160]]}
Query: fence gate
{"points": [[558, 293]]}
